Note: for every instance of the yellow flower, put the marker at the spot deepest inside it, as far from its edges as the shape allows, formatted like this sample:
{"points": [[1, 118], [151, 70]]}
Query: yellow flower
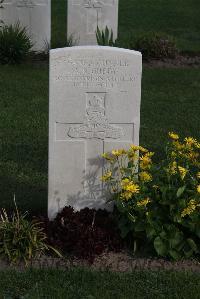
{"points": [[118, 153], [107, 176], [126, 195], [198, 175], [197, 144], [190, 208], [130, 186], [143, 150], [155, 186], [183, 171], [133, 155], [145, 176], [144, 202], [198, 188], [173, 168], [178, 145], [107, 157], [134, 147], [145, 162], [190, 140], [192, 155], [173, 136]]}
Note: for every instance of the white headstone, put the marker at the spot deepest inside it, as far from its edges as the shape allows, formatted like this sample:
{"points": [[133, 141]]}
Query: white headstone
{"points": [[85, 15], [35, 15], [95, 95]]}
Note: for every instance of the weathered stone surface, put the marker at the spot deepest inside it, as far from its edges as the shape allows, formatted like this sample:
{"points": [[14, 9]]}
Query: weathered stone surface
{"points": [[95, 95], [85, 15], [35, 15]]}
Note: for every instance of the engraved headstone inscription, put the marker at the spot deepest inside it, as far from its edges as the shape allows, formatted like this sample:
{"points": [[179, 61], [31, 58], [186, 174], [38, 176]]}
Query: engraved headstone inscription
{"points": [[35, 15], [95, 95], [85, 15]]}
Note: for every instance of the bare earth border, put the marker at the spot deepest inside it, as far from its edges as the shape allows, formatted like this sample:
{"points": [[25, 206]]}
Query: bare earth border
{"points": [[115, 262], [181, 61]]}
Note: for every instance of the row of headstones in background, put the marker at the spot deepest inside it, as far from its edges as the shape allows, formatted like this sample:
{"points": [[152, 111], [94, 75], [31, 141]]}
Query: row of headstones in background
{"points": [[83, 18], [95, 95]]}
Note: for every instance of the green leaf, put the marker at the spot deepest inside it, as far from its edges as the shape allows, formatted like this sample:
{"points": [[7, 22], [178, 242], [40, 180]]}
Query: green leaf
{"points": [[176, 240], [175, 255], [180, 191], [193, 245], [150, 231], [160, 246]]}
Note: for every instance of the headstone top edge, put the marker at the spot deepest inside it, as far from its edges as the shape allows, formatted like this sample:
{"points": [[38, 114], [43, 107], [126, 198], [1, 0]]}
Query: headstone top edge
{"points": [[104, 48]]}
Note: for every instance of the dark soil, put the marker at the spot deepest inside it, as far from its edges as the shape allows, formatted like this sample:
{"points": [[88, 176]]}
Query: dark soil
{"points": [[181, 61]]}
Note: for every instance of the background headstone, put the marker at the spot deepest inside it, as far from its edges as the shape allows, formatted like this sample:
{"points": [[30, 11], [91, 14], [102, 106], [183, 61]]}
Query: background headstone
{"points": [[85, 15], [35, 15], [95, 95]]}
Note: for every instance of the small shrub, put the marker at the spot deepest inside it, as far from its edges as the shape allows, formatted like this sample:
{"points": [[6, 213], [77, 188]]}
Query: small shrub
{"points": [[155, 46], [105, 37], [21, 240], [158, 203], [15, 44], [84, 234]]}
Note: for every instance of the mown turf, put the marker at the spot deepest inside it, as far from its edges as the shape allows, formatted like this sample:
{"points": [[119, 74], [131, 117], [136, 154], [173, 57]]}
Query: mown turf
{"points": [[24, 136], [83, 284], [170, 101], [179, 18]]}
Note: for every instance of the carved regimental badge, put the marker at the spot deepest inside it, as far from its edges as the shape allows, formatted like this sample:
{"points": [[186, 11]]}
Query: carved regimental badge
{"points": [[96, 125]]}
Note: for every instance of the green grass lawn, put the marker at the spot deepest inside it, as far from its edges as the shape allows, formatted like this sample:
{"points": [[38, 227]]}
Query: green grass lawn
{"points": [[170, 101], [85, 284], [179, 18]]}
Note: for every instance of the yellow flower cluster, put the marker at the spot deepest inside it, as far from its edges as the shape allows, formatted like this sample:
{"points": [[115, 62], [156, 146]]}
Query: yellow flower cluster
{"points": [[138, 148], [144, 202], [145, 160], [188, 150], [118, 152], [173, 136], [190, 141], [114, 154], [173, 168], [183, 171], [193, 204], [129, 188], [145, 176], [107, 176]]}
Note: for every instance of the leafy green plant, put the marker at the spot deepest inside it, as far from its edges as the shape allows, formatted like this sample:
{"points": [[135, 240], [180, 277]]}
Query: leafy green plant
{"points": [[155, 46], [15, 44], [20, 239], [105, 37], [158, 203]]}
